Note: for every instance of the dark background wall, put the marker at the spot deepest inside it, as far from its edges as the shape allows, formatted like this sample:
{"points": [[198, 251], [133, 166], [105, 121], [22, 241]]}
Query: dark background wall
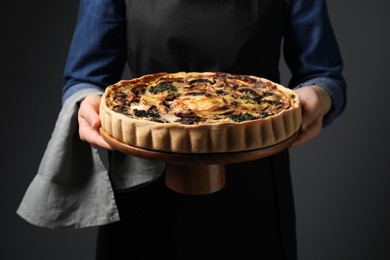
{"points": [[341, 179]]}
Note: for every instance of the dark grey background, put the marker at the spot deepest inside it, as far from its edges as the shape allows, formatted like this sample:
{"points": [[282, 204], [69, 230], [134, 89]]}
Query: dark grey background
{"points": [[341, 179]]}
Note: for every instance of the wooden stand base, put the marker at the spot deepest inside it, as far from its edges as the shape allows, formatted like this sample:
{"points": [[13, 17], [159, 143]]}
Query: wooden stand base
{"points": [[195, 179], [197, 173]]}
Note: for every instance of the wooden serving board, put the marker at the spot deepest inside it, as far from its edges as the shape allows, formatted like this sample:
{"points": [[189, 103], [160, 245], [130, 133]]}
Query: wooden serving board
{"points": [[196, 173]]}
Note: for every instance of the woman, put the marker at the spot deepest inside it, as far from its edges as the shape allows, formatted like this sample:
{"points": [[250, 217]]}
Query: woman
{"points": [[253, 216]]}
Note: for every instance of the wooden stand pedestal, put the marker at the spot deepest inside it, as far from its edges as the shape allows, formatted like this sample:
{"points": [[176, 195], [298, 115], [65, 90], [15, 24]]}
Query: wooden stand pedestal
{"points": [[197, 173]]}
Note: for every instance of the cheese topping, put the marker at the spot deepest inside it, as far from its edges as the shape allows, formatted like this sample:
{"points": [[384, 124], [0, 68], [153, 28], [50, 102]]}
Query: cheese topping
{"points": [[198, 98]]}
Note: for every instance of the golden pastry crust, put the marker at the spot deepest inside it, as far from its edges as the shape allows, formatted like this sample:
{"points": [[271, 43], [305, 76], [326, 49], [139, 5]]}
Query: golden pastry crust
{"points": [[200, 112]]}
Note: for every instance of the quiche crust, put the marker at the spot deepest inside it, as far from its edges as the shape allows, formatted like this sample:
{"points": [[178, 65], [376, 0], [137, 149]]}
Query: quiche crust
{"points": [[215, 137]]}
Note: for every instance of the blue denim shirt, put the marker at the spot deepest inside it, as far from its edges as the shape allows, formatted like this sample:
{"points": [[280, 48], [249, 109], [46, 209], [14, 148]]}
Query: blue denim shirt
{"points": [[97, 55]]}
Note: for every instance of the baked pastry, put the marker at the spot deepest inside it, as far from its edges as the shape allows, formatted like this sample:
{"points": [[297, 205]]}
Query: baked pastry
{"points": [[199, 112]]}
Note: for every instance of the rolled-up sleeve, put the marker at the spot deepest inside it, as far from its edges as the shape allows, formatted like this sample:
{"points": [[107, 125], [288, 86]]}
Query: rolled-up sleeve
{"points": [[312, 53], [97, 54]]}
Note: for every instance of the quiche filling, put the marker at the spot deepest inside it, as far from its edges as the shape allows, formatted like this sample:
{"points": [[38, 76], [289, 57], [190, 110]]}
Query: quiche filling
{"points": [[198, 98]]}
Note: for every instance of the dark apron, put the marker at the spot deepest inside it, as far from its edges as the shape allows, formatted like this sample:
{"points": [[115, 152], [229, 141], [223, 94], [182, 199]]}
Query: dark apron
{"points": [[253, 216], [241, 37]]}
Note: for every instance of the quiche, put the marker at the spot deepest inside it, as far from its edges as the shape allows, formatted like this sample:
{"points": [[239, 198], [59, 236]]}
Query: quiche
{"points": [[199, 112]]}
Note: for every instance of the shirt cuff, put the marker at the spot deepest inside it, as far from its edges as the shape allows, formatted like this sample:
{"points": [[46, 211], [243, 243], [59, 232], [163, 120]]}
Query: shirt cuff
{"points": [[77, 87], [337, 95]]}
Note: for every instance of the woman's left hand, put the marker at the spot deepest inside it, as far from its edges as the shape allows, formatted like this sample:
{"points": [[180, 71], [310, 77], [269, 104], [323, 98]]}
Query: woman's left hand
{"points": [[315, 103]]}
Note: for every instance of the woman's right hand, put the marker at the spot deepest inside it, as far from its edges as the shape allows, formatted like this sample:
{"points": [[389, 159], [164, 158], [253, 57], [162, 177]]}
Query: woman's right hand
{"points": [[89, 122]]}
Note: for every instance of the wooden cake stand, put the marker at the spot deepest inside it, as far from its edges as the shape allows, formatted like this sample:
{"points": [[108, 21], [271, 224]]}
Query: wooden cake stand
{"points": [[196, 173]]}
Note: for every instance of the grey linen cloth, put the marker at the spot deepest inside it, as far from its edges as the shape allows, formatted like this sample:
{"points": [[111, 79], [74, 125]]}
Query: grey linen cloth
{"points": [[72, 188]]}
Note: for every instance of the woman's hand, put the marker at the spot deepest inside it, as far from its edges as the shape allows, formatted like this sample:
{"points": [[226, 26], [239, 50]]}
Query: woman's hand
{"points": [[315, 103], [89, 122]]}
